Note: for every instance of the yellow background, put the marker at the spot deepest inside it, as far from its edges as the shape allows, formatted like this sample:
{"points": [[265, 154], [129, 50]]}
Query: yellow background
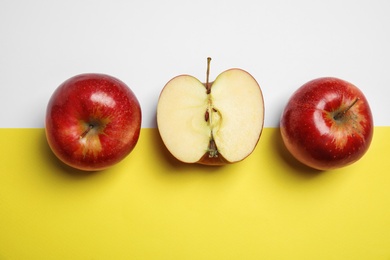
{"points": [[150, 206]]}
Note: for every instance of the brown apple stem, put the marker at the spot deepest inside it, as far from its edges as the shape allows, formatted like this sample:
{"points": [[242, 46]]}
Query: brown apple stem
{"points": [[86, 131], [208, 88], [341, 114]]}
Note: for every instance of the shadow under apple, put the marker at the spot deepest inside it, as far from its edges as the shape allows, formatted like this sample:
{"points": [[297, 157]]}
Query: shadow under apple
{"points": [[177, 166], [61, 168], [293, 164], [174, 164]]}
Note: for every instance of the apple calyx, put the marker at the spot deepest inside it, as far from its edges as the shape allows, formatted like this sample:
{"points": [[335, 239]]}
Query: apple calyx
{"points": [[339, 115]]}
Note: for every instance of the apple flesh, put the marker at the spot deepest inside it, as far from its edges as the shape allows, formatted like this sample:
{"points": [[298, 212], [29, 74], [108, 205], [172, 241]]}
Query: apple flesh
{"points": [[93, 121], [212, 123], [327, 124]]}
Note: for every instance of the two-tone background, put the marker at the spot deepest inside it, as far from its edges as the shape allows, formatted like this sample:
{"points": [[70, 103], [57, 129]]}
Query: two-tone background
{"points": [[152, 207]]}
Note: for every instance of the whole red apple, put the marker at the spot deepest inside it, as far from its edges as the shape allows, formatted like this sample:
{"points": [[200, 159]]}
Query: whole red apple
{"points": [[327, 124], [93, 121]]}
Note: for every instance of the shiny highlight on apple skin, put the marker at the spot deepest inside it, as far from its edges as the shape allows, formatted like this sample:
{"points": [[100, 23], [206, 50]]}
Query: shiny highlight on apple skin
{"points": [[327, 124], [93, 121]]}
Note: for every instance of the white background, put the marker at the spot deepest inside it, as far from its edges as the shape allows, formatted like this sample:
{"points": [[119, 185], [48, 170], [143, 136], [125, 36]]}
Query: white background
{"points": [[283, 44]]}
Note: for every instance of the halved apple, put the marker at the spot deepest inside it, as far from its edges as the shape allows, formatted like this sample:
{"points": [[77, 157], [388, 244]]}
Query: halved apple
{"points": [[213, 123]]}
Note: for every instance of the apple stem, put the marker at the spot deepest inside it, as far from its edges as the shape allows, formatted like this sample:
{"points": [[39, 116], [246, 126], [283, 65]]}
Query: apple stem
{"points": [[341, 114], [86, 131], [208, 88]]}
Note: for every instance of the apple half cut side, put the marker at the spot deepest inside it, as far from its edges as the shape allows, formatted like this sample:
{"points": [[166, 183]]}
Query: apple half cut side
{"points": [[213, 123]]}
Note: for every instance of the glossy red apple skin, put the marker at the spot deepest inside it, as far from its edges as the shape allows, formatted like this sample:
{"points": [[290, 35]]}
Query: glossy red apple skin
{"points": [[93, 121], [312, 134]]}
